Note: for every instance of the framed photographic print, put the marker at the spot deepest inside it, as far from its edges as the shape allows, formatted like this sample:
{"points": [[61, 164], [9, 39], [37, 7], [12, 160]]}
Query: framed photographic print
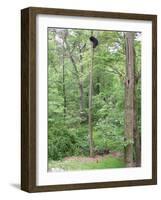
{"points": [[88, 99]]}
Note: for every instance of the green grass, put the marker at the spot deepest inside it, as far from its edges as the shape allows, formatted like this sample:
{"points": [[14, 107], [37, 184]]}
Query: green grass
{"points": [[104, 163]]}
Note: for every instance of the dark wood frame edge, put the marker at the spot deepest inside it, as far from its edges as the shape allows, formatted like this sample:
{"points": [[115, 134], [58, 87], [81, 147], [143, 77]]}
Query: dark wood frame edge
{"points": [[28, 99]]}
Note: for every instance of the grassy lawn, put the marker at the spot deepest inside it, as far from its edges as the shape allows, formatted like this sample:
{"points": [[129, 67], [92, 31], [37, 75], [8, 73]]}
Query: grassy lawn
{"points": [[85, 163]]}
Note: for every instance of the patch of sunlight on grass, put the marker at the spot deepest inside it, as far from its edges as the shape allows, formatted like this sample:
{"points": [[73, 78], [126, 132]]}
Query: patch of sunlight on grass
{"points": [[104, 163]]}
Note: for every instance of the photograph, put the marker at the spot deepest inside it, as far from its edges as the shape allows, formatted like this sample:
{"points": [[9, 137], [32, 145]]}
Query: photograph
{"points": [[94, 99], [88, 99]]}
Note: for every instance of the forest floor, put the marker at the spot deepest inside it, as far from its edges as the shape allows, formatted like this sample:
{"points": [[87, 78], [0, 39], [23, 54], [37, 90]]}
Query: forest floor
{"points": [[112, 160]]}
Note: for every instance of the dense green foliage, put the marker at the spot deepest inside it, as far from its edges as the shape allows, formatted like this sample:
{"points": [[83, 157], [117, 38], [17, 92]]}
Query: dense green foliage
{"points": [[67, 127]]}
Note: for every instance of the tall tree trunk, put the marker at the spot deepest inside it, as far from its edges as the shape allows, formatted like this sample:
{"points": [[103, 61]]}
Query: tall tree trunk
{"points": [[90, 127], [137, 146], [98, 85], [63, 80], [129, 99], [81, 88], [137, 136]]}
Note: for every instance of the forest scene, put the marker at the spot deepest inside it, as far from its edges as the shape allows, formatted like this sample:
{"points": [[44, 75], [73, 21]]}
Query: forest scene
{"points": [[94, 99]]}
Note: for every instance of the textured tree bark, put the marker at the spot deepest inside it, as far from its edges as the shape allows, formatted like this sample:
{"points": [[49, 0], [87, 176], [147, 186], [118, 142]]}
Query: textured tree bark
{"points": [[130, 122], [138, 148], [90, 127], [137, 135]]}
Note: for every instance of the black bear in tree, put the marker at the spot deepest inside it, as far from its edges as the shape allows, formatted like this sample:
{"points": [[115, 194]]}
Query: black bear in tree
{"points": [[94, 41]]}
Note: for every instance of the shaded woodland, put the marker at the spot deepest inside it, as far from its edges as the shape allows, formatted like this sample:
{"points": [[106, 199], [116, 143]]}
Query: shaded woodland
{"points": [[94, 99]]}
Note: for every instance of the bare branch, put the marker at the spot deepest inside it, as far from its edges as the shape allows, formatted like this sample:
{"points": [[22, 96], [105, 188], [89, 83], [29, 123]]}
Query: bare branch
{"points": [[71, 58]]}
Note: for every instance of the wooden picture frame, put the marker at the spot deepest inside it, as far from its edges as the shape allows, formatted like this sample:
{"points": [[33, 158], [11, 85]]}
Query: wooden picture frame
{"points": [[28, 98]]}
